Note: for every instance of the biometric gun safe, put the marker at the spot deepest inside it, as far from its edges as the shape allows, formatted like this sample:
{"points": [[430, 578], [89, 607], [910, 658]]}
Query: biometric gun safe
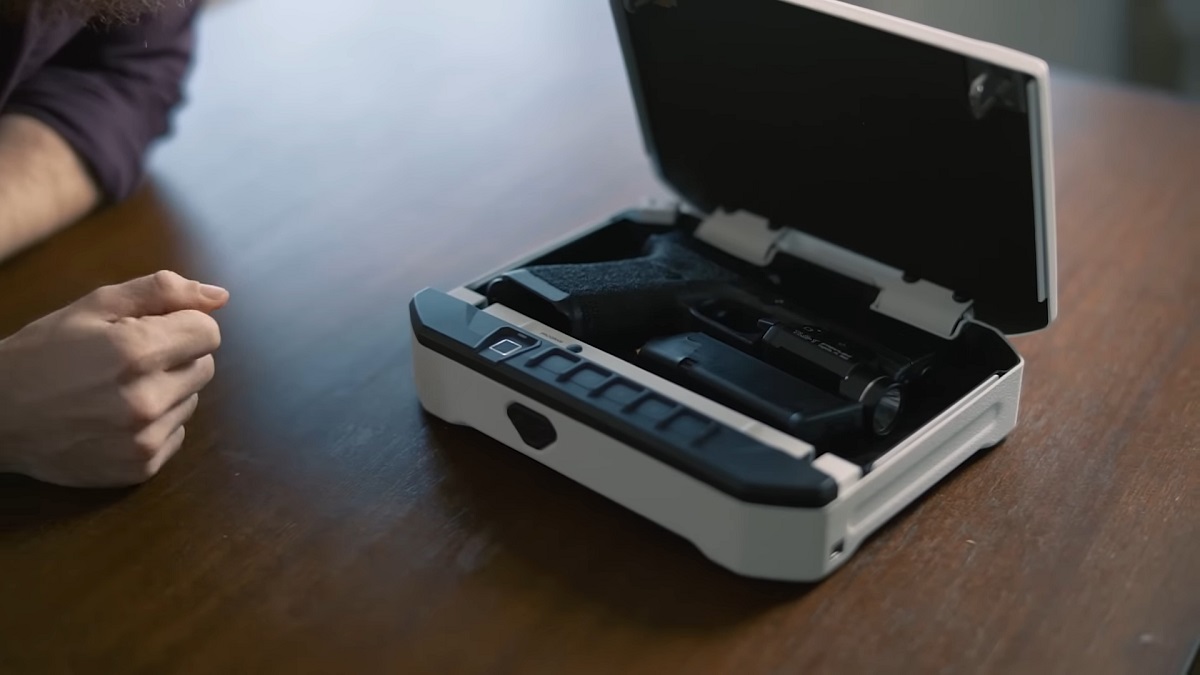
{"points": [[817, 333]]}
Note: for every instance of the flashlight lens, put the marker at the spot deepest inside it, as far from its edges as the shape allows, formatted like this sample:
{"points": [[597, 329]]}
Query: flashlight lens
{"points": [[887, 410]]}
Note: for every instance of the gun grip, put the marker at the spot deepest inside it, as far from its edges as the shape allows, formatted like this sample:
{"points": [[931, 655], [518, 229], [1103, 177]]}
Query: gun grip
{"points": [[537, 299]]}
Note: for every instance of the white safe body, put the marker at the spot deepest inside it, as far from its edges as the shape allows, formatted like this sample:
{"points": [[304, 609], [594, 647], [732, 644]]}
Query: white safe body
{"points": [[761, 540]]}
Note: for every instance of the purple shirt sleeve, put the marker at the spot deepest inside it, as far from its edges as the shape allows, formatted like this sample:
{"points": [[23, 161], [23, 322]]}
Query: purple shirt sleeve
{"points": [[110, 93]]}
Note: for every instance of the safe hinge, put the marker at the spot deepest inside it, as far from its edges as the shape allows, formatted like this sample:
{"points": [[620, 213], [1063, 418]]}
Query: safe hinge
{"points": [[916, 302]]}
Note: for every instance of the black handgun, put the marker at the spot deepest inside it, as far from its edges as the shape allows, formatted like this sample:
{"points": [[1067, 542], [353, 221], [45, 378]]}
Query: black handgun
{"points": [[615, 302], [820, 352], [741, 382], [672, 289]]}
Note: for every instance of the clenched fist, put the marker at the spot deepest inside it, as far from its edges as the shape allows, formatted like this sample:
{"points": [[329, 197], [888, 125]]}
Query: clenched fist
{"points": [[97, 393]]}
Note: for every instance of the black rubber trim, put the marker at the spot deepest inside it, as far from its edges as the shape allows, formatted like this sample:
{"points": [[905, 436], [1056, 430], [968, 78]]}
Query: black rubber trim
{"points": [[676, 435]]}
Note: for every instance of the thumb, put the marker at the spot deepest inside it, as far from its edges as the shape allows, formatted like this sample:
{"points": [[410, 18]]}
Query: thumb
{"points": [[157, 294]]}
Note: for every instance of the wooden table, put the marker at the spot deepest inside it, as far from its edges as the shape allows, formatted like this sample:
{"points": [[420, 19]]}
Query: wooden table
{"points": [[334, 159]]}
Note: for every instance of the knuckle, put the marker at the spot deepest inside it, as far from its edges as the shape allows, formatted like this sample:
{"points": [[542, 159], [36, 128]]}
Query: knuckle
{"points": [[207, 327], [167, 281], [173, 287], [141, 405], [104, 300], [104, 294], [145, 448], [131, 345]]}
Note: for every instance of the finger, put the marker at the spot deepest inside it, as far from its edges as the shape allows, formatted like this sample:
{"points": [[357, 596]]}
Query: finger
{"points": [[179, 383], [168, 450], [159, 293], [156, 343], [143, 471], [148, 443], [150, 397], [102, 464]]}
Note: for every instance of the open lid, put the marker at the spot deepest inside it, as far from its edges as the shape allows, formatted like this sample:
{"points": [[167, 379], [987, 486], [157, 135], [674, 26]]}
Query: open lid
{"points": [[923, 150]]}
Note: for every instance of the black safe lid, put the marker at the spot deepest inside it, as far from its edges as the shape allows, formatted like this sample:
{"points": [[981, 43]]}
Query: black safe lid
{"points": [[858, 135]]}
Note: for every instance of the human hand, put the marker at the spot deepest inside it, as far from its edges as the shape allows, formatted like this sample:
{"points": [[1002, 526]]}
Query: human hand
{"points": [[96, 394]]}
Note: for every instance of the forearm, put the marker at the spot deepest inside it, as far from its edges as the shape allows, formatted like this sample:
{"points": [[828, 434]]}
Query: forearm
{"points": [[43, 184]]}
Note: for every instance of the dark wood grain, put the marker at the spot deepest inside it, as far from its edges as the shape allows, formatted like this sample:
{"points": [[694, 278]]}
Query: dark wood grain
{"points": [[335, 158]]}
